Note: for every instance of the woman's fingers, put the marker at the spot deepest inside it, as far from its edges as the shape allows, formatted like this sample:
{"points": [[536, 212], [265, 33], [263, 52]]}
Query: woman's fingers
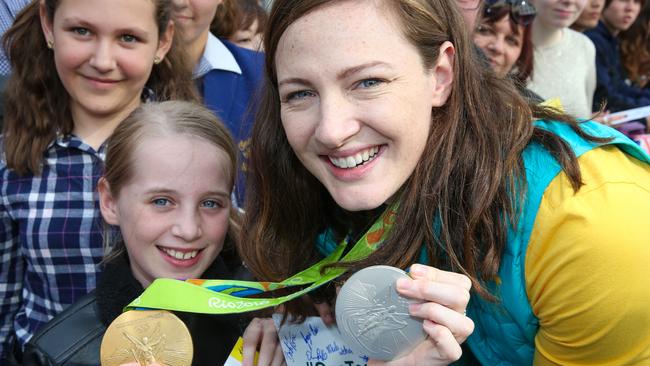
{"points": [[419, 271], [458, 324], [443, 343], [452, 296], [440, 348], [260, 334]]}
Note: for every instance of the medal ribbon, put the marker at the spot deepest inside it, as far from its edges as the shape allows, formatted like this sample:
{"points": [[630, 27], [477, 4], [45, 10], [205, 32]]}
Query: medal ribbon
{"points": [[229, 296]]}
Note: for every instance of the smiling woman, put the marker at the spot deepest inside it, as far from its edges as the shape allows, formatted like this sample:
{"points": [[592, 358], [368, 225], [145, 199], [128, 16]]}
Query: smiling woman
{"points": [[79, 68], [378, 111]]}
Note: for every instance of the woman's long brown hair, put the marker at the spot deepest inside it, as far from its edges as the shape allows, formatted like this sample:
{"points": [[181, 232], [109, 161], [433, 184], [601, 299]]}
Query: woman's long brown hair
{"points": [[466, 177], [37, 104]]}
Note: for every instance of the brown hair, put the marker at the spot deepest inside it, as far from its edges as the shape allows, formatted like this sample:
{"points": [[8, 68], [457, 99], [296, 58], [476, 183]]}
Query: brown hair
{"points": [[226, 20], [233, 15], [466, 177], [524, 64], [635, 47], [37, 104], [164, 118]]}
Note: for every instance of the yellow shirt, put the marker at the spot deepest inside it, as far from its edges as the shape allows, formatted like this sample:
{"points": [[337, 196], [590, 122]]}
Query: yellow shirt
{"points": [[588, 265]]}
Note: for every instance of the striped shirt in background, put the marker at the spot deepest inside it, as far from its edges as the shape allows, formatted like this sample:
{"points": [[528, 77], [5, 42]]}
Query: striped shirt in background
{"points": [[50, 237]]}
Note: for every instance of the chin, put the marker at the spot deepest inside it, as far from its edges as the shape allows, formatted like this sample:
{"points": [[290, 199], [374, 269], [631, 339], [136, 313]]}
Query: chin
{"points": [[358, 203]]}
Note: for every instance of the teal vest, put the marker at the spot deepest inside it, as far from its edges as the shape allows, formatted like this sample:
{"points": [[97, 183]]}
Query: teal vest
{"points": [[505, 331]]}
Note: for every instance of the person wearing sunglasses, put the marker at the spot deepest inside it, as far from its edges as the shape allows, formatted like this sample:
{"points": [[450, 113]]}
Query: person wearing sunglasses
{"points": [[503, 34], [564, 60]]}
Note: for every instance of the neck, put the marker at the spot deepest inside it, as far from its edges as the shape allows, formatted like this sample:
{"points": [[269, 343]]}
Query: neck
{"points": [[196, 47], [611, 29], [94, 129], [544, 36]]}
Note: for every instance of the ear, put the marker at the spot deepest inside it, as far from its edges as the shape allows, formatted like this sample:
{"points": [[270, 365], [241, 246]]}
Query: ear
{"points": [[442, 74], [165, 42], [107, 203], [46, 22]]}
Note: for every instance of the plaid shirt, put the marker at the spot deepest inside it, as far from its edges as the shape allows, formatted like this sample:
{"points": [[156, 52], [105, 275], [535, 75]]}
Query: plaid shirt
{"points": [[50, 237], [8, 11]]}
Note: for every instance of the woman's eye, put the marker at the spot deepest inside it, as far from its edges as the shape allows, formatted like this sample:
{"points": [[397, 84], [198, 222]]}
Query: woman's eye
{"points": [[161, 202], [481, 29], [81, 31], [513, 41], [212, 204], [369, 83], [128, 38], [299, 95]]}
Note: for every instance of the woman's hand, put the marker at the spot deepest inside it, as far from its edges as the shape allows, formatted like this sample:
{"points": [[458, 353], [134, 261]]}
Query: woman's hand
{"points": [[261, 334], [445, 296]]}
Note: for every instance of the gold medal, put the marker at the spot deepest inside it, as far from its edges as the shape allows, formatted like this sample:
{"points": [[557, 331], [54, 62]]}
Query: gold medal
{"points": [[147, 337]]}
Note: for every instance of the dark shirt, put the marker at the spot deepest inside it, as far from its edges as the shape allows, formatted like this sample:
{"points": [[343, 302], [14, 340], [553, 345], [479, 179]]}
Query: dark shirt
{"points": [[74, 336], [611, 86]]}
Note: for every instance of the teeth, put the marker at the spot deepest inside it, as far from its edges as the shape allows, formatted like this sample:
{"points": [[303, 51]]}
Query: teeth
{"points": [[181, 255], [355, 160]]}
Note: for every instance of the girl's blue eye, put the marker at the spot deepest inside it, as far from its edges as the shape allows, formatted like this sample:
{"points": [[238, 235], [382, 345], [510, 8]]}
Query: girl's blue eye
{"points": [[211, 204], [299, 95], [161, 202], [369, 83]]}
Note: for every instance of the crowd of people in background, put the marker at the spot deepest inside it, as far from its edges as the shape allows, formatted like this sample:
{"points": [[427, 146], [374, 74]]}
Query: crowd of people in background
{"points": [[241, 139]]}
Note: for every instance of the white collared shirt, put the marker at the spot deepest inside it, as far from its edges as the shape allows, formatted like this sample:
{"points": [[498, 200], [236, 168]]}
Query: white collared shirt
{"points": [[216, 56]]}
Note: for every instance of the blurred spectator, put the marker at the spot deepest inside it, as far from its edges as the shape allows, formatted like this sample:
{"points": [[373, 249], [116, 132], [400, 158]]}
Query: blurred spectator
{"points": [[589, 17], [503, 33], [241, 22], [8, 11], [227, 76], [251, 26], [612, 88], [565, 60], [635, 49]]}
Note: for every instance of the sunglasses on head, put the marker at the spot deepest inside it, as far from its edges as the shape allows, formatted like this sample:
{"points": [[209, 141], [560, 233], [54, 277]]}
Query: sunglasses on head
{"points": [[521, 11]]}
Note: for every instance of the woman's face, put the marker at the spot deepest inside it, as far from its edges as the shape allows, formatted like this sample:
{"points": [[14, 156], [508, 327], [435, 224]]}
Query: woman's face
{"points": [[501, 43], [357, 100], [194, 17], [558, 13], [620, 14], [104, 51], [173, 214], [591, 14]]}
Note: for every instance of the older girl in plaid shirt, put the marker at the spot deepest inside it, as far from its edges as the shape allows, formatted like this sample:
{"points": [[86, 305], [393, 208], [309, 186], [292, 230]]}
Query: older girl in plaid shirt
{"points": [[79, 68]]}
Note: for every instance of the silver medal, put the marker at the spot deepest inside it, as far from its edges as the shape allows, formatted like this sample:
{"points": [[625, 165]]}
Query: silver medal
{"points": [[374, 318]]}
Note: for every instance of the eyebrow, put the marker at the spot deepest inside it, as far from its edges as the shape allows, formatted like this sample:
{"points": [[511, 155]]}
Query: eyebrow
{"points": [[161, 190], [83, 23], [340, 76]]}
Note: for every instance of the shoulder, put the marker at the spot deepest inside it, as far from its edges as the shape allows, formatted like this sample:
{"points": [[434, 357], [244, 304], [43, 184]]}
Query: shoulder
{"points": [[579, 42], [73, 334], [248, 60], [586, 255]]}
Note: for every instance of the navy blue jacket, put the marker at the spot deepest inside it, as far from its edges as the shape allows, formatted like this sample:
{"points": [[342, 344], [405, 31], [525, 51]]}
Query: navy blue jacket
{"points": [[232, 97], [610, 85]]}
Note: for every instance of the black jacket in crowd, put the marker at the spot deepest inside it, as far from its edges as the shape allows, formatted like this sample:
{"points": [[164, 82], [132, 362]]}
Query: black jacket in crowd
{"points": [[74, 336]]}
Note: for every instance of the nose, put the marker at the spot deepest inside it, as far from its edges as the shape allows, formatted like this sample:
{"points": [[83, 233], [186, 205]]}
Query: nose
{"points": [[496, 45], [179, 4], [338, 121], [187, 225], [102, 58]]}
